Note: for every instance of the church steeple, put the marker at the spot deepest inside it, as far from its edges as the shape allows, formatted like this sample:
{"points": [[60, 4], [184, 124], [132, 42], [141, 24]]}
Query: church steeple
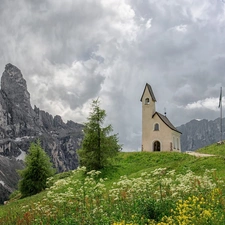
{"points": [[149, 88], [148, 100]]}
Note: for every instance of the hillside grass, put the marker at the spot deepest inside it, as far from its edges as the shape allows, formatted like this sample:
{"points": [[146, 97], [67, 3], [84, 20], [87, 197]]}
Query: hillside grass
{"points": [[214, 149], [131, 165]]}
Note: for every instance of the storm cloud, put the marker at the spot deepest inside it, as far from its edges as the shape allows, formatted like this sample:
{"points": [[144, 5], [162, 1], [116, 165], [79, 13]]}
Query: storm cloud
{"points": [[71, 52]]}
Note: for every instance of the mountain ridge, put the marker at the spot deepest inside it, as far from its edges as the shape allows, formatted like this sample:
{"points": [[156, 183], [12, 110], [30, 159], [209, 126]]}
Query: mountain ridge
{"points": [[200, 133], [20, 124]]}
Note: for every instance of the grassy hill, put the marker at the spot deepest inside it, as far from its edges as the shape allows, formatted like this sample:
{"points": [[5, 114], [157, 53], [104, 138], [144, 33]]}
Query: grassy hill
{"points": [[215, 149], [141, 188]]}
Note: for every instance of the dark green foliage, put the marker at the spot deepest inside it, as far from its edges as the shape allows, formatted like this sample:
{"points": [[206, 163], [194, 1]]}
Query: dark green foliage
{"points": [[38, 169], [155, 210], [98, 147]]}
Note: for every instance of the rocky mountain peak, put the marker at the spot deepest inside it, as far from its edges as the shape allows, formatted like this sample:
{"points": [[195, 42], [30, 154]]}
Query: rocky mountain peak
{"points": [[58, 122], [14, 86], [13, 71]]}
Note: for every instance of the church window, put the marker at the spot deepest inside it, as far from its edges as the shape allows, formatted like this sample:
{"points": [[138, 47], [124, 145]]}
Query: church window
{"points": [[177, 143], [147, 101], [174, 144], [156, 127]]}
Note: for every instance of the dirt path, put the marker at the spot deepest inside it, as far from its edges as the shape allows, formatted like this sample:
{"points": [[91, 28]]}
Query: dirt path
{"points": [[198, 154]]}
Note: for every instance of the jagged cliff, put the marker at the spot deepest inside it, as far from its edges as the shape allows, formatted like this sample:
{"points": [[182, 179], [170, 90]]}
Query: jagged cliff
{"points": [[20, 124], [199, 133]]}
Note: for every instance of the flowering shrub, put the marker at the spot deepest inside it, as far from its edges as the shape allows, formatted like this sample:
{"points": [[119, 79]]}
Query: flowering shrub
{"points": [[197, 210]]}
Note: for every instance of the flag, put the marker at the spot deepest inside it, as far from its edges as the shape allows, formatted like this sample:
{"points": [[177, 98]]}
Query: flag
{"points": [[220, 100]]}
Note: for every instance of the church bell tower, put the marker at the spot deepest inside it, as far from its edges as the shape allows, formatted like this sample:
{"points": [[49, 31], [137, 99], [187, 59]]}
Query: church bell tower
{"points": [[148, 110]]}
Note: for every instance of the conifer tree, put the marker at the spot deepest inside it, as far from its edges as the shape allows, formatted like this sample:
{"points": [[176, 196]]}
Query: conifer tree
{"points": [[37, 169], [98, 146]]}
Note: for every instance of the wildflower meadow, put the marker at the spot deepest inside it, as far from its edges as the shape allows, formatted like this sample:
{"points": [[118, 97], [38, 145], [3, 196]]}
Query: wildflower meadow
{"points": [[159, 197]]}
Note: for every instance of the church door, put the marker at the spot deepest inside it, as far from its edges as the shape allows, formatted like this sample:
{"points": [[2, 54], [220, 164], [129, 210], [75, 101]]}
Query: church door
{"points": [[156, 146]]}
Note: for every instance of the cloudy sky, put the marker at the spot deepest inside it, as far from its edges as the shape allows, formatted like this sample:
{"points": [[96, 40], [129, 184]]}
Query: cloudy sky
{"points": [[73, 51]]}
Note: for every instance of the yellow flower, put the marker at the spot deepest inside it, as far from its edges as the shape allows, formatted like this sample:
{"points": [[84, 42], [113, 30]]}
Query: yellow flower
{"points": [[207, 213]]}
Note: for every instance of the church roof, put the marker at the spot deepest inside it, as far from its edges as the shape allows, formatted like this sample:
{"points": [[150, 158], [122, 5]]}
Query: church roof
{"points": [[166, 121], [150, 91]]}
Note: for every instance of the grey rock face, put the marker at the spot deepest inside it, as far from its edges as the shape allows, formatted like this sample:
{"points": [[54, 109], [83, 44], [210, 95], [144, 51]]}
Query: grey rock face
{"points": [[8, 176], [15, 88], [197, 134], [20, 124]]}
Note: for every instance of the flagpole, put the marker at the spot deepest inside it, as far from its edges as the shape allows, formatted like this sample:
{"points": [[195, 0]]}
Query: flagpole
{"points": [[221, 122]]}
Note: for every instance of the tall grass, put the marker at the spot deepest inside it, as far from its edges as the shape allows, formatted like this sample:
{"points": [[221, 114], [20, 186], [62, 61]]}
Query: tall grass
{"points": [[159, 197], [142, 188]]}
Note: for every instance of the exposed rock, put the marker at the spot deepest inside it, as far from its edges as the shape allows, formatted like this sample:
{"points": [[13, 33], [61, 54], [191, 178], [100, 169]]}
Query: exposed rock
{"points": [[57, 122], [8, 176], [20, 124], [199, 133]]}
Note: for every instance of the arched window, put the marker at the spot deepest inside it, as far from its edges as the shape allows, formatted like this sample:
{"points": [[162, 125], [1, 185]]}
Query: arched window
{"points": [[147, 101], [156, 127]]}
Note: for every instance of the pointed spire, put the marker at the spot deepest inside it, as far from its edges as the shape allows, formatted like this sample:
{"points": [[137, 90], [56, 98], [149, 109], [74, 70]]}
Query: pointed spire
{"points": [[148, 86]]}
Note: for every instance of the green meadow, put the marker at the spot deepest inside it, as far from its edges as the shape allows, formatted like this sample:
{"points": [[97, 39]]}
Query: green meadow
{"points": [[140, 188]]}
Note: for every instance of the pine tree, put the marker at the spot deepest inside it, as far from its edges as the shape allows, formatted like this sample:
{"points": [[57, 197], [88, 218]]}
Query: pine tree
{"points": [[98, 147], [37, 169]]}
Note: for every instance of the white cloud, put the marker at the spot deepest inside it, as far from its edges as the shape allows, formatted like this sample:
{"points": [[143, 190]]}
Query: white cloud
{"points": [[181, 28], [208, 103], [148, 23]]}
